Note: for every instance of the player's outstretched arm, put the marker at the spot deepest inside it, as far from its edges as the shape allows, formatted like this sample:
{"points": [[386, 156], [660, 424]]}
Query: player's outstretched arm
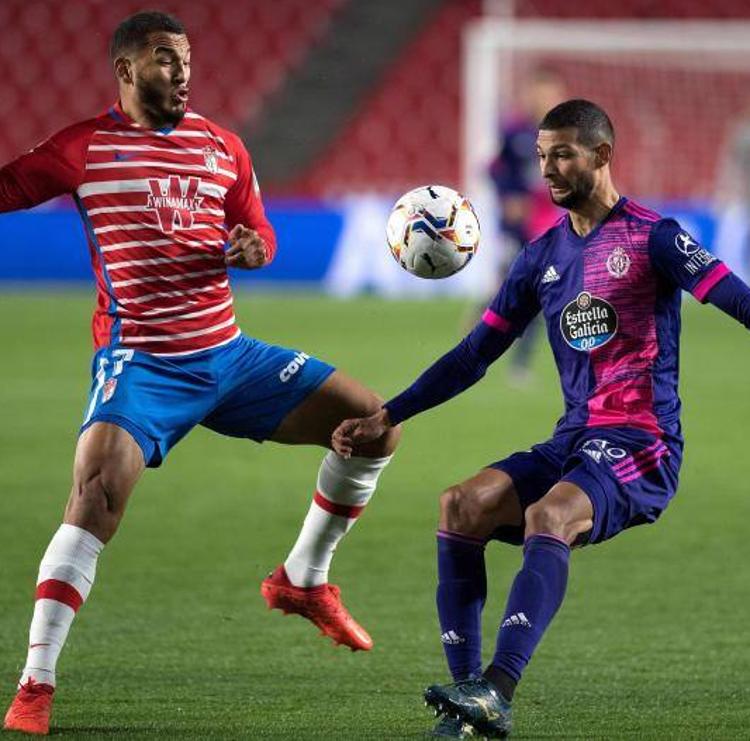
{"points": [[451, 374], [505, 319], [732, 295]]}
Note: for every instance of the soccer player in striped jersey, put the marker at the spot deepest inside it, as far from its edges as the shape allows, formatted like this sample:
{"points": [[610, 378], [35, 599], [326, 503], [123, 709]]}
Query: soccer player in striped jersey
{"points": [[161, 191], [607, 279]]}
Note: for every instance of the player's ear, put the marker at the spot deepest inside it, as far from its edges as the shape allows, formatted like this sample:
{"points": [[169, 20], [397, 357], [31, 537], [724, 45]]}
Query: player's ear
{"points": [[602, 154], [124, 70]]}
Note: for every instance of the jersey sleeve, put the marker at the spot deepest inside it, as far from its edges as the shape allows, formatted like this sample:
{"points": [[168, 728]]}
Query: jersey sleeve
{"points": [[466, 363], [243, 204], [53, 168], [732, 296], [517, 301], [682, 261]]}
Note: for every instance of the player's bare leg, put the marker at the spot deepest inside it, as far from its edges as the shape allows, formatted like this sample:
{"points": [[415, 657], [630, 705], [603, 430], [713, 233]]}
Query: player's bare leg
{"points": [[344, 487], [108, 463], [479, 505]]}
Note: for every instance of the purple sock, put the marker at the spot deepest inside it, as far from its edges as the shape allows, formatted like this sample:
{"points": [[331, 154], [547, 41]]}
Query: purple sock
{"points": [[536, 595], [461, 593]]}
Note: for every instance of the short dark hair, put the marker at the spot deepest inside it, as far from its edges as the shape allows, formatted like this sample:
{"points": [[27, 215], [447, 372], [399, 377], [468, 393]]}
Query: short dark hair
{"points": [[133, 32], [593, 124]]}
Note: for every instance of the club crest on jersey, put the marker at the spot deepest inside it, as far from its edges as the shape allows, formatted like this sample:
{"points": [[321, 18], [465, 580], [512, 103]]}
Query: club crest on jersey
{"points": [[618, 263], [211, 158], [175, 201], [588, 322], [108, 390]]}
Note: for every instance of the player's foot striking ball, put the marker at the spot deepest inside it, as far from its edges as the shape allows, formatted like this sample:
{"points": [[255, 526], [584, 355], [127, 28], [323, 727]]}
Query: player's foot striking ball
{"points": [[321, 605], [31, 708], [475, 702]]}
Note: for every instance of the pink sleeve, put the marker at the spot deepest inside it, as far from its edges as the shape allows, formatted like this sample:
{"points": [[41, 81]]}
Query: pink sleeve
{"points": [[243, 203], [52, 168]]}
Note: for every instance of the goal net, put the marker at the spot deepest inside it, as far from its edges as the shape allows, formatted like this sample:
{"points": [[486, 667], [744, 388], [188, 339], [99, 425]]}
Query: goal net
{"points": [[678, 93]]}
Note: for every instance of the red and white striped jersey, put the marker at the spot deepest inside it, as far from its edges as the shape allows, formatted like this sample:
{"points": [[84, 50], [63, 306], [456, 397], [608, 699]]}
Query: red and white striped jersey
{"points": [[157, 206]]}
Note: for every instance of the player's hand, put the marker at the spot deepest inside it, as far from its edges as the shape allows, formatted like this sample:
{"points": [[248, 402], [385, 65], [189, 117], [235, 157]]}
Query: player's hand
{"points": [[247, 250], [353, 432]]}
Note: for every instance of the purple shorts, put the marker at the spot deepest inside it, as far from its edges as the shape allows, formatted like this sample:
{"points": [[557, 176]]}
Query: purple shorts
{"points": [[628, 474]]}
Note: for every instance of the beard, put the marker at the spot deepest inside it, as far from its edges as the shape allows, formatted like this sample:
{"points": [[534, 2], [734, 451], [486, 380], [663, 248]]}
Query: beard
{"points": [[578, 193], [158, 102]]}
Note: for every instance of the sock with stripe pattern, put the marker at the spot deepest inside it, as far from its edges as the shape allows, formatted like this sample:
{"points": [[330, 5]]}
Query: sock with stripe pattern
{"points": [[66, 575], [344, 488]]}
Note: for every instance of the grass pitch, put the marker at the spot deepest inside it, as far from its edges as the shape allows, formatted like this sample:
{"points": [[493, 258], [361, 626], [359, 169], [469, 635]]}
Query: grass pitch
{"points": [[175, 642]]}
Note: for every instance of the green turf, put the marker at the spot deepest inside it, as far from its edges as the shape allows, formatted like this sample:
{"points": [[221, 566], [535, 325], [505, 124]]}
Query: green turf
{"points": [[651, 643]]}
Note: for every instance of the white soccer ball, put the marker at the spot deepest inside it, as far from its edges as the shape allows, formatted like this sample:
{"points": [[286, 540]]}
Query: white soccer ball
{"points": [[433, 231]]}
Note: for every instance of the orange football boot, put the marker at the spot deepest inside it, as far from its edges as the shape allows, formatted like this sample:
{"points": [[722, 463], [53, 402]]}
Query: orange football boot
{"points": [[30, 710], [320, 605]]}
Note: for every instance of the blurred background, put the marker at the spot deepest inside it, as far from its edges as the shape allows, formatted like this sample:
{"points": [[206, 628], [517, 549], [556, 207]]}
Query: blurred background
{"points": [[344, 104]]}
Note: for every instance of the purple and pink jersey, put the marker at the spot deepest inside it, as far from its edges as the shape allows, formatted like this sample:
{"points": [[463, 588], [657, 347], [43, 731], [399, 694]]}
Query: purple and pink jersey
{"points": [[611, 303]]}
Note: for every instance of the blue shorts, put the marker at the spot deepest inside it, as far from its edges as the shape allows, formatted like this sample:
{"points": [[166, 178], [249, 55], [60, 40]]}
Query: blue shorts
{"points": [[244, 389], [628, 474]]}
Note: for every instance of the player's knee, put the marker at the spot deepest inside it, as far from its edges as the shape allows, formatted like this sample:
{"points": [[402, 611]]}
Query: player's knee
{"points": [[97, 502], [545, 517], [460, 511]]}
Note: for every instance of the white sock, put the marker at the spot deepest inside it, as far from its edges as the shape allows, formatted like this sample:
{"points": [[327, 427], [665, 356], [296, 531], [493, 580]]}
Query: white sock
{"points": [[65, 578], [345, 485]]}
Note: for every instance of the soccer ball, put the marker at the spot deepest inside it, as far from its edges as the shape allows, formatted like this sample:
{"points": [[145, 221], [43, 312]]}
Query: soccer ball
{"points": [[433, 231]]}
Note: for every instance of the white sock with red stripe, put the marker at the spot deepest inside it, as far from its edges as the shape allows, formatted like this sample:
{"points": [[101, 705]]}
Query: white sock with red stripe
{"points": [[345, 485], [65, 578]]}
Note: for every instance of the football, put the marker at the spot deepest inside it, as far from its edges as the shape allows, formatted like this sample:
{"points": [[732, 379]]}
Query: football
{"points": [[433, 231]]}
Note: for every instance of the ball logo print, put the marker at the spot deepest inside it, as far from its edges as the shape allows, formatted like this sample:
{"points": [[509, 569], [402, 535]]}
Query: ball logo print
{"points": [[588, 322], [433, 231]]}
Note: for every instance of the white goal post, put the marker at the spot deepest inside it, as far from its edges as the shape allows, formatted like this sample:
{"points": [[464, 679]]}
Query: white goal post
{"points": [[676, 90]]}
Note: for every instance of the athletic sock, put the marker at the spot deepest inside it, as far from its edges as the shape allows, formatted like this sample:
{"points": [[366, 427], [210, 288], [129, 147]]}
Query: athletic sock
{"points": [[505, 684], [344, 488], [461, 594], [66, 574], [536, 595]]}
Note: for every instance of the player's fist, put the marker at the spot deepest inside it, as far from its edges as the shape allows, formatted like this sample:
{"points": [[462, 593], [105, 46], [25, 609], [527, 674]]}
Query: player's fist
{"points": [[353, 432], [246, 250]]}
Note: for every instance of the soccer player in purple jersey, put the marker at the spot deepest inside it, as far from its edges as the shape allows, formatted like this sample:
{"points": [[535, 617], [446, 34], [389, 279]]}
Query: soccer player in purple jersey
{"points": [[608, 279]]}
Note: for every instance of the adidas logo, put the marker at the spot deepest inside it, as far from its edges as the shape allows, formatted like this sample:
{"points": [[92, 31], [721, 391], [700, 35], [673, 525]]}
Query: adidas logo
{"points": [[551, 275], [452, 638], [595, 454], [518, 619]]}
